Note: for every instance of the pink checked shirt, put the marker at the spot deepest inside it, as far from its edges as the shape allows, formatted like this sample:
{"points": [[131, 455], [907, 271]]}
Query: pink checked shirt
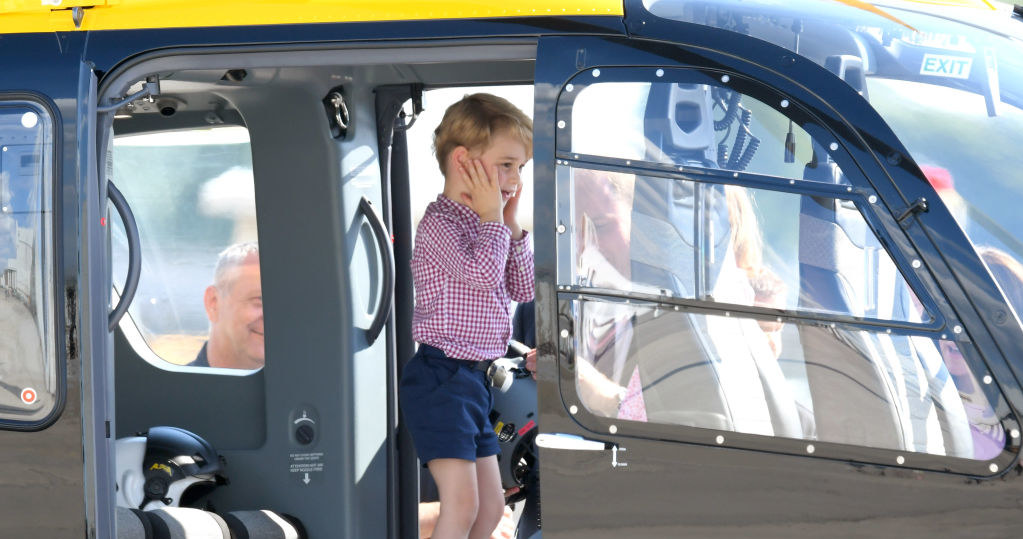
{"points": [[465, 273]]}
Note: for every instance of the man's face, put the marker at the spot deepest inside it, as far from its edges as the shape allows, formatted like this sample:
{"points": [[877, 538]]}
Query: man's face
{"points": [[237, 317]]}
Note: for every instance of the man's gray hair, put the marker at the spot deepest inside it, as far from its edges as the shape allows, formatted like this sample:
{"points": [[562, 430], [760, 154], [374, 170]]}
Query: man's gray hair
{"points": [[232, 257]]}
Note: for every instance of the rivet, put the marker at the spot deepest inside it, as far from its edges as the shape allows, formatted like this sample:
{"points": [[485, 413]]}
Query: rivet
{"points": [[872, 199], [957, 330], [735, 174], [988, 379], [784, 103], [888, 331], [612, 429], [900, 460], [792, 182], [993, 467], [596, 72], [727, 313], [916, 264], [779, 320], [561, 124], [573, 409], [725, 78], [569, 88], [561, 229], [944, 336], [564, 334], [676, 307], [1014, 433], [659, 72], [833, 146], [810, 448], [848, 189], [719, 439]]}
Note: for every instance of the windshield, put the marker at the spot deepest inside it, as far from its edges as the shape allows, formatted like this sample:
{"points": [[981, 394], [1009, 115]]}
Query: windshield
{"points": [[948, 80]]}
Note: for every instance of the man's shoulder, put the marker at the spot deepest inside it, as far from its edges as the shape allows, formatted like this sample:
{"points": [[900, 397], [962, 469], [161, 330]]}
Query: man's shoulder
{"points": [[201, 360]]}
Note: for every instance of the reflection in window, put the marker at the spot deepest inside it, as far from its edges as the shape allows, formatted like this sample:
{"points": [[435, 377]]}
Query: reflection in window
{"points": [[28, 383], [193, 197], [731, 244], [703, 125], [640, 363]]}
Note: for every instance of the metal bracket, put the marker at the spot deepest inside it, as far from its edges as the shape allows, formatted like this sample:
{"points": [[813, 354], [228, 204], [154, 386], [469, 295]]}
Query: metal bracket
{"points": [[150, 89], [337, 113], [919, 206], [417, 108]]}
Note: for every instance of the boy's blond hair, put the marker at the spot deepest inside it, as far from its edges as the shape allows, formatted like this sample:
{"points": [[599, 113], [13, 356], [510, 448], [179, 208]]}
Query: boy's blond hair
{"points": [[474, 120]]}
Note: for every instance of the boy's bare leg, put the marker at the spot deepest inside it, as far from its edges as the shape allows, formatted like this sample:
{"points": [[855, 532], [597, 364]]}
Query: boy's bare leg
{"points": [[459, 500], [491, 498]]}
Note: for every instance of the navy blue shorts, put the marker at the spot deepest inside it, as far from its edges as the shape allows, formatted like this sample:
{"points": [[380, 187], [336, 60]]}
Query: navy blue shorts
{"points": [[446, 404]]}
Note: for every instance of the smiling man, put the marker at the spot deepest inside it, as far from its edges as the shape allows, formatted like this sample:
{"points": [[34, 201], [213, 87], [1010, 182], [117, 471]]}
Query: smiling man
{"points": [[234, 305]]}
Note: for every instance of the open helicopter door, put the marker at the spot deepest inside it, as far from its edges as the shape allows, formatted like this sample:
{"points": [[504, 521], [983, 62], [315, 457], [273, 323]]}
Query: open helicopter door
{"points": [[694, 380], [54, 292]]}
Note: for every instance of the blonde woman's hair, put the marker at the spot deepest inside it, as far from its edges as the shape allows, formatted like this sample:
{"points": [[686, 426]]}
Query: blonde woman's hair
{"points": [[474, 120]]}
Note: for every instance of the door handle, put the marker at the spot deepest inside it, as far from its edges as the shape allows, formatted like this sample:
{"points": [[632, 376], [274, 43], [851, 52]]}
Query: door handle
{"points": [[131, 229], [569, 442], [572, 442], [376, 223]]}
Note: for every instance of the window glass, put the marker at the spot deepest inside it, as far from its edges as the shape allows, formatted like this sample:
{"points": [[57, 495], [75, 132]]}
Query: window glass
{"points": [[699, 123], [193, 198], [28, 372], [645, 363], [729, 244]]}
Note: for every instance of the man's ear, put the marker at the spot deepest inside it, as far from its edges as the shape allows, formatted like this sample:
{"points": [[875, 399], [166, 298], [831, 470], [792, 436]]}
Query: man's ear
{"points": [[210, 299]]}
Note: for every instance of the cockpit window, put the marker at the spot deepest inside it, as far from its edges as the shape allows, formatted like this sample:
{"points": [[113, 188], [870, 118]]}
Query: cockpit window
{"points": [[755, 295], [192, 196]]}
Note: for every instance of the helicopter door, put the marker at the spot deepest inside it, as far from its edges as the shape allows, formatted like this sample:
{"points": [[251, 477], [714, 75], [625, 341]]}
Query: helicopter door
{"points": [[736, 336], [48, 287]]}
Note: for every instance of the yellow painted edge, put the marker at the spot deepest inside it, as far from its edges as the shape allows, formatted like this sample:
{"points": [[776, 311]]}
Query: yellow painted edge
{"points": [[132, 14]]}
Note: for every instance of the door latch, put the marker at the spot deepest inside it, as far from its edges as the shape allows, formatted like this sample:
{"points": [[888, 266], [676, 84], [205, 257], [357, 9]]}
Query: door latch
{"points": [[572, 442]]}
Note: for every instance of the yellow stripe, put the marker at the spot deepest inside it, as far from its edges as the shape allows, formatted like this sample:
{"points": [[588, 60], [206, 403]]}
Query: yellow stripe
{"points": [[20, 16]]}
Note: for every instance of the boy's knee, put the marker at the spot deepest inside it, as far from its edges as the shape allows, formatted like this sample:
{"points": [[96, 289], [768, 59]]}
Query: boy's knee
{"points": [[463, 509]]}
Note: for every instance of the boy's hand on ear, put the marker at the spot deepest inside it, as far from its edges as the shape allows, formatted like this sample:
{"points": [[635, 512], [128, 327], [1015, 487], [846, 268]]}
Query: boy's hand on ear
{"points": [[484, 193], [510, 210]]}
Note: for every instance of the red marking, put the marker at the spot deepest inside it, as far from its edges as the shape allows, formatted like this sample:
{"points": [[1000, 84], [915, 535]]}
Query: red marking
{"points": [[28, 395], [392, 238], [102, 221], [525, 428]]}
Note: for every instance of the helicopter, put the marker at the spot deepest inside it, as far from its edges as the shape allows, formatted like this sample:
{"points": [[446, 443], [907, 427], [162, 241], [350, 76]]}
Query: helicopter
{"points": [[779, 273]]}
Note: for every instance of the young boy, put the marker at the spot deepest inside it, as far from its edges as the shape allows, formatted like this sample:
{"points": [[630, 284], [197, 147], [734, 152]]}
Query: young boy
{"points": [[470, 259]]}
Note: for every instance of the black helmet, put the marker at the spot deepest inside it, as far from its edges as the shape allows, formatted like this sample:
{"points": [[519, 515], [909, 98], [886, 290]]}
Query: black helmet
{"points": [[176, 468], [514, 421]]}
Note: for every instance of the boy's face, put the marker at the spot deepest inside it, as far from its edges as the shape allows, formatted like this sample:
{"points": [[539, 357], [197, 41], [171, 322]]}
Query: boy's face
{"points": [[509, 156]]}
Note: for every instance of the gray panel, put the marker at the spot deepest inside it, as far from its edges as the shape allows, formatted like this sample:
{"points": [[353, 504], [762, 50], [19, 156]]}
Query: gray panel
{"points": [[228, 411]]}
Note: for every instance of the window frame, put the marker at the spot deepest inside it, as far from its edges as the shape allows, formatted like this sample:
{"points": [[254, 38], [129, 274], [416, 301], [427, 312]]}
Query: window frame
{"points": [[58, 324], [860, 190]]}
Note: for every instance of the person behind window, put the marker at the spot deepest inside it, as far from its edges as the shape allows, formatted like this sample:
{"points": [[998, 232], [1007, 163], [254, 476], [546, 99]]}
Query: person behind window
{"points": [[234, 306], [471, 258], [603, 208]]}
